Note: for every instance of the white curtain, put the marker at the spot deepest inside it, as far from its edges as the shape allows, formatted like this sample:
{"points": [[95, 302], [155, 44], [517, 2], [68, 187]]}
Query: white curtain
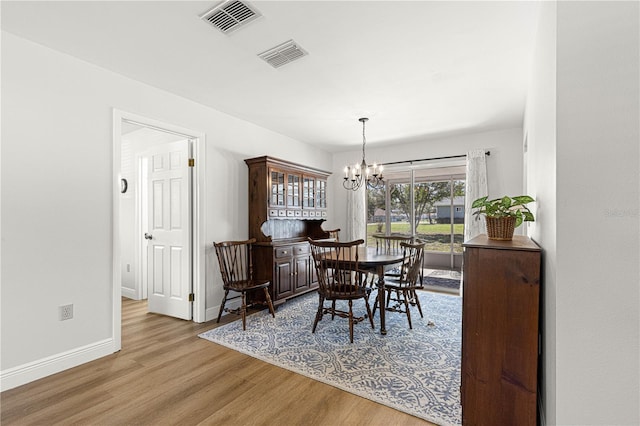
{"points": [[476, 187], [357, 214]]}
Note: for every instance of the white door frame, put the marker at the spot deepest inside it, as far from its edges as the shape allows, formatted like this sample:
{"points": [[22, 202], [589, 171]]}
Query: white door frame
{"points": [[199, 230]]}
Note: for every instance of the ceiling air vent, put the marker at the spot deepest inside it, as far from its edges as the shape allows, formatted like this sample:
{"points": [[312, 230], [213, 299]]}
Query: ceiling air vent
{"points": [[282, 54], [230, 15]]}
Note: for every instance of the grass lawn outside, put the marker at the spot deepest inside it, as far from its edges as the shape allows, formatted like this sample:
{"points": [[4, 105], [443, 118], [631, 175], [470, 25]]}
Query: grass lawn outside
{"points": [[437, 235]]}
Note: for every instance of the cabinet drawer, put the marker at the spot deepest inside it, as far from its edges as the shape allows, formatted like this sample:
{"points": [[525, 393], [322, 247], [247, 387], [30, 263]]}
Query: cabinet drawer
{"points": [[301, 249], [285, 251]]}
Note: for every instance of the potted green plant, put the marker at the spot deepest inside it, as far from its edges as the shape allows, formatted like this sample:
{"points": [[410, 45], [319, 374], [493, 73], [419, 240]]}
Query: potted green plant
{"points": [[503, 215]]}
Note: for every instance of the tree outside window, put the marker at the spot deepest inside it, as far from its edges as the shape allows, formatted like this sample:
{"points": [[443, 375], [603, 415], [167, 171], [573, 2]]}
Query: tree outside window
{"points": [[426, 194]]}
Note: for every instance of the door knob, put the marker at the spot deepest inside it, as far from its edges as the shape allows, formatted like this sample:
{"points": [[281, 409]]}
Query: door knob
{"points": [[148, 236]]}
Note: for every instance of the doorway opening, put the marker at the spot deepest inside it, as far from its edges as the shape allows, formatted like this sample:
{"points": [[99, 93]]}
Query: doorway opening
{"points": [[141, 147]]}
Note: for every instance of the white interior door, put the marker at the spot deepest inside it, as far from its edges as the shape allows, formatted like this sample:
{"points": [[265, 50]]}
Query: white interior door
{"points": [[169, 283]]}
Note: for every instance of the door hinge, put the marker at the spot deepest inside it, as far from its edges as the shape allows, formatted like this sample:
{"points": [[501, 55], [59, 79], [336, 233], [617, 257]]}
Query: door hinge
{"points": [[192, 162], [192, 297]]}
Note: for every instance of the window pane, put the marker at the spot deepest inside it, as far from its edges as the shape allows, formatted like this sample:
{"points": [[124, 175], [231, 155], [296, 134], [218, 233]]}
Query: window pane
{"points": [[458, 218], [425, 203], [433, 207], [442, 221], [400, 212]]}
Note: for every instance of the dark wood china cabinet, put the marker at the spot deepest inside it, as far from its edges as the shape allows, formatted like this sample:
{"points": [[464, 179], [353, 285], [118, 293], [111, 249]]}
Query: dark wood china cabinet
{"points": [[287, 204]]}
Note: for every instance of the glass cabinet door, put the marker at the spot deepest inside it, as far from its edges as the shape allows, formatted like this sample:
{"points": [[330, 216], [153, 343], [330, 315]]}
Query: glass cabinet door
{"points": [[293, 191], [277, 189], [308, 192], [321, 194]]}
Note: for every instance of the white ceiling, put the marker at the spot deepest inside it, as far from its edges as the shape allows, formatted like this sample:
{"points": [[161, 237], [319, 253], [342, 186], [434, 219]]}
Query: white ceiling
{"points": [[417, 69]]}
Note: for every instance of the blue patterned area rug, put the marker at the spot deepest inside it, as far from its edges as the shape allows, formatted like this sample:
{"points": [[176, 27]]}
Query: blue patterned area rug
{"points": [[415, 371]]}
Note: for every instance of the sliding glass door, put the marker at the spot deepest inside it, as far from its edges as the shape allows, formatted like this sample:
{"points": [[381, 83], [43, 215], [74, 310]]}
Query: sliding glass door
{"points": [[425, 203], [389, 208]]}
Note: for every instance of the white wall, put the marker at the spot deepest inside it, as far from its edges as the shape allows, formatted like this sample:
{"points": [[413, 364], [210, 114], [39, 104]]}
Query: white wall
{"points": [[597, 253], [584, 165], [540, 121], [504, 165], [57, 184]]}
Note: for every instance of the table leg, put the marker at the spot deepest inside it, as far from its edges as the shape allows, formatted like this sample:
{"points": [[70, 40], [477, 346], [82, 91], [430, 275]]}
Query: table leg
{"points": [[381, 300]]}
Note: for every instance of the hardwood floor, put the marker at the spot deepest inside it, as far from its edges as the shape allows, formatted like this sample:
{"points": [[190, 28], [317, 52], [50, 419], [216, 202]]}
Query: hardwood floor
{"points": [[166, 375]]}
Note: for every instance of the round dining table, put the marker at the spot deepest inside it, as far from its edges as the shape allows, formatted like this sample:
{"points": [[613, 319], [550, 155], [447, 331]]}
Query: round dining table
{"points": [[376, 261]]}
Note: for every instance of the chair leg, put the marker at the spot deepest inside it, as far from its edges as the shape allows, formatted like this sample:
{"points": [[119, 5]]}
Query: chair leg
{"points": [[375, 307], [224, 300], [319, 313], [415, 297], [351, 322], [369, 313], [333, 310], [406, 295], [243, 310], [389, 298], [266, 295]]}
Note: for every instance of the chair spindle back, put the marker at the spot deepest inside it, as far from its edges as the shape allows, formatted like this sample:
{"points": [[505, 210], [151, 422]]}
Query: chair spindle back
{"points": [[236, 260], [336, 264], [390, 243], [411, 262]]}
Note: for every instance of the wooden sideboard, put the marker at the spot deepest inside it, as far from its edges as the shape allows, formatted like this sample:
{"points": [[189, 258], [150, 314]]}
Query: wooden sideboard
{"points": [[287, 205], [501, 287]]}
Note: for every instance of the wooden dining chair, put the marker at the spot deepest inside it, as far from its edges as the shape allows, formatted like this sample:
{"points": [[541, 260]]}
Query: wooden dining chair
{"points": [[401, 290], [424, 243], [334, 234], [390, 244], [336, 264], [236, 267]]}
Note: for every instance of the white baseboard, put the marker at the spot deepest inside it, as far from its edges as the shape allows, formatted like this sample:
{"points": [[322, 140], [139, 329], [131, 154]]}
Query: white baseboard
{"points": [[129, 293], [26, 373], [212, 313]]}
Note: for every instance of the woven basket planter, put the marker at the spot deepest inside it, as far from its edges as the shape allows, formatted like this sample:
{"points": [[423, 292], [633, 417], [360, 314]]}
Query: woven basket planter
{"points": [[500, 228]]}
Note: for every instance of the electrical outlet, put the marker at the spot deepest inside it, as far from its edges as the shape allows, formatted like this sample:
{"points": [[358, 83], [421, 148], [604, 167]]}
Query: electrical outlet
{"points": [[66, 312]]}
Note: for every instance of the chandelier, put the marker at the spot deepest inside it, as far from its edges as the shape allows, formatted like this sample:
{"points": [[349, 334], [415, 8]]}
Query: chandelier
{"points": [[355, 176]]}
